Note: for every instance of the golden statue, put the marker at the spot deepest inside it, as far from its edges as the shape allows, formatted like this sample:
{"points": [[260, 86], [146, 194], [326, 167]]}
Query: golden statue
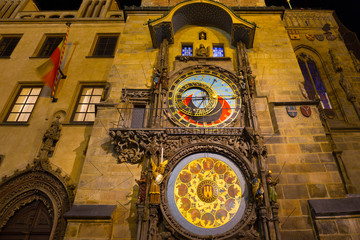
{"points": [[156, 179]]}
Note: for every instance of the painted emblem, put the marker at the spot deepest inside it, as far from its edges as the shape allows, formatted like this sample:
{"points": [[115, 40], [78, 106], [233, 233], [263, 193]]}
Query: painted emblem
{"points": [[329, 113], [310, 37], [319, 37], [330, 36], [305, 110], [291, 110]]}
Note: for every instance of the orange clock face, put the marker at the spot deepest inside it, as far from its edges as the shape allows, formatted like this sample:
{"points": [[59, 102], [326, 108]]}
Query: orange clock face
{"points": [[204, 99]]}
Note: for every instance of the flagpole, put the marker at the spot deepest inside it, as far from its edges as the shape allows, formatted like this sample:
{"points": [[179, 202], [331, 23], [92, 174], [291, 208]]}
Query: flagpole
{"points": [[289, 3], [59, 73]]}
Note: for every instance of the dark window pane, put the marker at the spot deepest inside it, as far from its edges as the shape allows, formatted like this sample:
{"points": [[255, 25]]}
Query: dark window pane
{"points": [[49, 46], [138, 116], [7, 45], [105, 46]]}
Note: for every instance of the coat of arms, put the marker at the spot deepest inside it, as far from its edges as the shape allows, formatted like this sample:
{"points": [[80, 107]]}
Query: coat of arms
{"points": [[310, 37], [319, 37], [305, 110], [291, 111]]}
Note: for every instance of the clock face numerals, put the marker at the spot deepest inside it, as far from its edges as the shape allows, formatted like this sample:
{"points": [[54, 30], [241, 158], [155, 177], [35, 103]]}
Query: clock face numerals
{"points": [[204, 99]]}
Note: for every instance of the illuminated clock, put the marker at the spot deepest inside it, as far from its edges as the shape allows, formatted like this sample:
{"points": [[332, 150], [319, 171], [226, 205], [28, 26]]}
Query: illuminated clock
{"points": [[207, 194], [204, 98]]}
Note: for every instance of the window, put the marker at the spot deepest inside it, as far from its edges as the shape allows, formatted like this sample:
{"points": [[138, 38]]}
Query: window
{"points": [[7, 45], [51, 42], [85, 106], [24, 104], [218, 51], [105, 46], [187, 50], [138, 116], [313, 84]]}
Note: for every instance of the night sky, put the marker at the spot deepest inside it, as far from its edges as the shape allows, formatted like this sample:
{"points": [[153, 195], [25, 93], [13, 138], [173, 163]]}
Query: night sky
{"points": [[346, 10]]}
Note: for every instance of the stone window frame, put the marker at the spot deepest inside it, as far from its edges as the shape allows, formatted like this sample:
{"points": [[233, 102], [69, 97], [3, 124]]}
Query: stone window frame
{"points": [[95, 45], [13, 102], [5, 49], [41, 51], [89, 103], [304, 56]]}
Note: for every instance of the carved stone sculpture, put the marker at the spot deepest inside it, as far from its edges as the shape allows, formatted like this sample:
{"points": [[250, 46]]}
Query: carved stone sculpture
{"points": [[202, 51], [355, 61], [271, 188], [335, 62], [251, 81], [257, 189], [348, 88], [51, 136], [156, 179], [142, 187]]}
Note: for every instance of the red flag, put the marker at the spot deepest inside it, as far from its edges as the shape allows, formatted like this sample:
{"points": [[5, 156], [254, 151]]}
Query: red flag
{"points": [[48, 70]]}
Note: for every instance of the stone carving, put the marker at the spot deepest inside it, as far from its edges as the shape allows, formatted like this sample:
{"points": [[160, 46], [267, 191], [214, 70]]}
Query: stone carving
{"points": [[130, 145], [271, 188], [251, 80], [348, 88], [257, 189], [51, 137], [201, 51], [319, 37], [156, 179], [202, 35], [310, 37], [303, 91], [156, 78], [355, 61], [135, 94], [142, 187], [335, 61]]}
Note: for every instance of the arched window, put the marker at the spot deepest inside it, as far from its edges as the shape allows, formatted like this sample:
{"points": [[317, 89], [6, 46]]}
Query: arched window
{"points": [[313, 84]]}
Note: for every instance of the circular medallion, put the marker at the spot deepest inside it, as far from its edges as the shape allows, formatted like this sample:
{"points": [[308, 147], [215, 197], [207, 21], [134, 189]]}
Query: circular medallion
{"points": [[206, 191], [204, 98]]}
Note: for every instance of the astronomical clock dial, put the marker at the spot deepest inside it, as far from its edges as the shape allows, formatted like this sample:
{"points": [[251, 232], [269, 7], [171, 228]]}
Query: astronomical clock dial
{"points": [[207, 194], [204, 99]]}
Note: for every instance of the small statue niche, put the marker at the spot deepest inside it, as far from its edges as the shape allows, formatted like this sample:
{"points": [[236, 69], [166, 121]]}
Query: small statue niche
{"points": [[202, 35], [201, 51]]}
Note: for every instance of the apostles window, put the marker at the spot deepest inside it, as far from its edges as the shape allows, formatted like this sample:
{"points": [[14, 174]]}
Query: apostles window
{"points": [[218, 50], [138, 116], [24, 104], [85, 106], [313, 84], [105, 45], [7, 45], [51, 42], [187, 49]]}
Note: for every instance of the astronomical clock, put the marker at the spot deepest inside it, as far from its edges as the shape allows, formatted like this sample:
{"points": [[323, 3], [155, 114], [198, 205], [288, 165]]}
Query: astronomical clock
{"points": [[204, 98]]}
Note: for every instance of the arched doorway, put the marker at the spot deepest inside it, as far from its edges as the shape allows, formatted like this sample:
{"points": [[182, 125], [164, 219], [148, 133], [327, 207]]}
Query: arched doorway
{"points": [[32, 221]]}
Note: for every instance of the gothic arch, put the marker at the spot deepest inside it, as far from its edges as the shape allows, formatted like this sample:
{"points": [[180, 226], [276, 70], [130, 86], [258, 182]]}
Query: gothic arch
{"points": [[36, 184]]}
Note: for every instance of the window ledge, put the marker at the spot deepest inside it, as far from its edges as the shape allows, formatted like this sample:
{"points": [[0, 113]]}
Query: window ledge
{"points": [[99, 56], [14, 124], [77, 123], [5, 57], [39, 57]]}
